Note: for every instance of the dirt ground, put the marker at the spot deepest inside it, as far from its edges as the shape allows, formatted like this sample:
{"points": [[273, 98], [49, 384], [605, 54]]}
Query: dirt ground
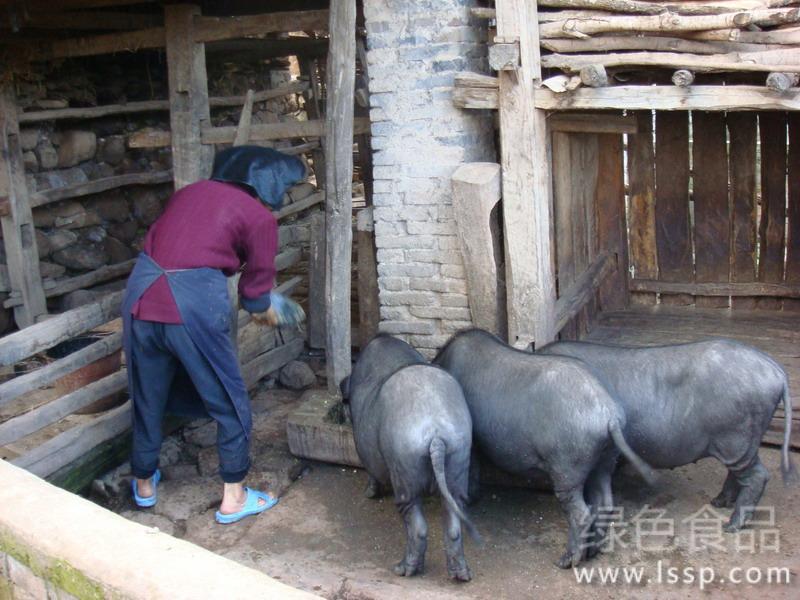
{"points": [[326, 537]]}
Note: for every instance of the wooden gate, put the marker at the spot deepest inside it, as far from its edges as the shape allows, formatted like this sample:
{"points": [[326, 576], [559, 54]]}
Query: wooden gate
{"points": [[713, 219]]}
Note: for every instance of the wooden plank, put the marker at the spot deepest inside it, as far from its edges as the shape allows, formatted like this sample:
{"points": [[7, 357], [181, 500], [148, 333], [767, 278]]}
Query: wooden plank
{"points": [[271, 361], [94, 112], [772, 128], [341, 72], [530, 281], [583, 289], [793, 206], [592, 123], [712, 225], [16, 387], [89, 20], [19, 237], [641, 214], [695, 97], [99, 185], [720, 289], [476, 192], [245, 118], [82, 281], [673, 236], [107, 43], [316, 282], [612, 235], [368, 302], [75, 442], [188, 95], [742, 135], [47, 414], [37, 338]]}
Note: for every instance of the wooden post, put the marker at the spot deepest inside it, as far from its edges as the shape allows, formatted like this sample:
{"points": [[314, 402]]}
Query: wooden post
{"points": [[369, 315], [526, 184], [476, 191], [339, 181], [188, 95], [18, 230], [313, 106]]}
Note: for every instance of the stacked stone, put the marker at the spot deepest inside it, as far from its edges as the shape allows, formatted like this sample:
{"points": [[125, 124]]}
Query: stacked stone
{"points": [[414, 50]]}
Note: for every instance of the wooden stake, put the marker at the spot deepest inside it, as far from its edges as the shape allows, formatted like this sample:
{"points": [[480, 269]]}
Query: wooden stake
{"points": [[368, 302], [188, 95], [18, 229], [243, 129], [339, 182]]}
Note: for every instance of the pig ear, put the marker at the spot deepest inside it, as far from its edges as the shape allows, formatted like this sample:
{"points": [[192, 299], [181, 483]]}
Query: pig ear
{"points": [[344, 387]]}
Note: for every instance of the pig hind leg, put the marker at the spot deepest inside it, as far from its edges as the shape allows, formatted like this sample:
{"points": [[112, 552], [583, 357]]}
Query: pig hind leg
{"points": [[752, 480], [727, 497], [413, 561], [580, 521], [600, 498]]}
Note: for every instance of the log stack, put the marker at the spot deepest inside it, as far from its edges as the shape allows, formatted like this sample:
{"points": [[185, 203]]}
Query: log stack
{"points": [[596, 43]]}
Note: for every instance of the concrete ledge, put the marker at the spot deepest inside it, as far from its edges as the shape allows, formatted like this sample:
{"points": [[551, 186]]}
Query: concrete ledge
{"points": [[54, 544]]}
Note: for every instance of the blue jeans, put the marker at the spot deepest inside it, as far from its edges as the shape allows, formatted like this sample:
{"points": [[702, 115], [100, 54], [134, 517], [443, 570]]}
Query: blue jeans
{"points": [[157, 350]]}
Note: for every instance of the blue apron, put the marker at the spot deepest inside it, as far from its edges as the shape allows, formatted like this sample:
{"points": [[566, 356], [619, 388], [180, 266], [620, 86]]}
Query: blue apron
{"points": [[202, 298]]}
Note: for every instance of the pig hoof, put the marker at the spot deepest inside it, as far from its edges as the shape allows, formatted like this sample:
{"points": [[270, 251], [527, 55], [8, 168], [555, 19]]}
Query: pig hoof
{"points": [[723, 502], [462, 574], [732, 527], [568, 560], [405, 570]]}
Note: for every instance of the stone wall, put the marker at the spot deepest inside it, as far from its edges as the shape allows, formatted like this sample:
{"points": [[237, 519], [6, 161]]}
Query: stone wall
{"points": [[419, 138], [82, 234]]}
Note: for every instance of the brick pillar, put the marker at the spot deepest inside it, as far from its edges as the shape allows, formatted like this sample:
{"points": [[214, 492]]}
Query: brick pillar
{"points": [[414, 50]]}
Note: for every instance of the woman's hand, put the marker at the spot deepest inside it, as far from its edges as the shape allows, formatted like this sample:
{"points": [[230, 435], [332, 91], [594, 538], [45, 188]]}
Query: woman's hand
{"points": [[282, 311]]}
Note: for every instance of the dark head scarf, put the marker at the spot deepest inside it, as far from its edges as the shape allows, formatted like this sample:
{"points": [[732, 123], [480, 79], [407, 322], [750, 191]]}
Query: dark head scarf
{"points": [[265, 171]]}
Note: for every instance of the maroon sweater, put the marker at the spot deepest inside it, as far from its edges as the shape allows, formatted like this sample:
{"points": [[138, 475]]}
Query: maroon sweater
{"points": [[217, 225]]}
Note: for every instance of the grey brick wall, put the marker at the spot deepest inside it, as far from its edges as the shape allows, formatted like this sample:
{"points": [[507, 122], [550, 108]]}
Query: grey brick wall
{"points": [[414, 49]]}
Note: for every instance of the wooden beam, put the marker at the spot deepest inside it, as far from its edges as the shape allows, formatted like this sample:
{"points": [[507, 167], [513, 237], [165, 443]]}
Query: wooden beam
{"points": [[304, 204], [16, 387], [47, 5], [94, 112], [85, 280], [316, 282], [777, 290], [208, 29], [766, 61], [18, 229], [271, 361], [99, 185], [188, 95], [94, 20], [696, 97], [37, 338], [258, 133], [212, 29], [47, 414], [583, 289], [339, 127], [530, 282], [476, 192]]}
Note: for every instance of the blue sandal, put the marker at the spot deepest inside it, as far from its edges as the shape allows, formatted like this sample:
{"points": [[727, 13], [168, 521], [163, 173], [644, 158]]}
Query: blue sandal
{"points": [[148, 501], [251, 507]]}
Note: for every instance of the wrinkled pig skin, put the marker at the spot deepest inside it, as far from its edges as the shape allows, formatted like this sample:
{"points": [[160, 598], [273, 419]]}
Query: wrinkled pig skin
{"points": [[413, 431], [548, 413], [685, 402]]}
